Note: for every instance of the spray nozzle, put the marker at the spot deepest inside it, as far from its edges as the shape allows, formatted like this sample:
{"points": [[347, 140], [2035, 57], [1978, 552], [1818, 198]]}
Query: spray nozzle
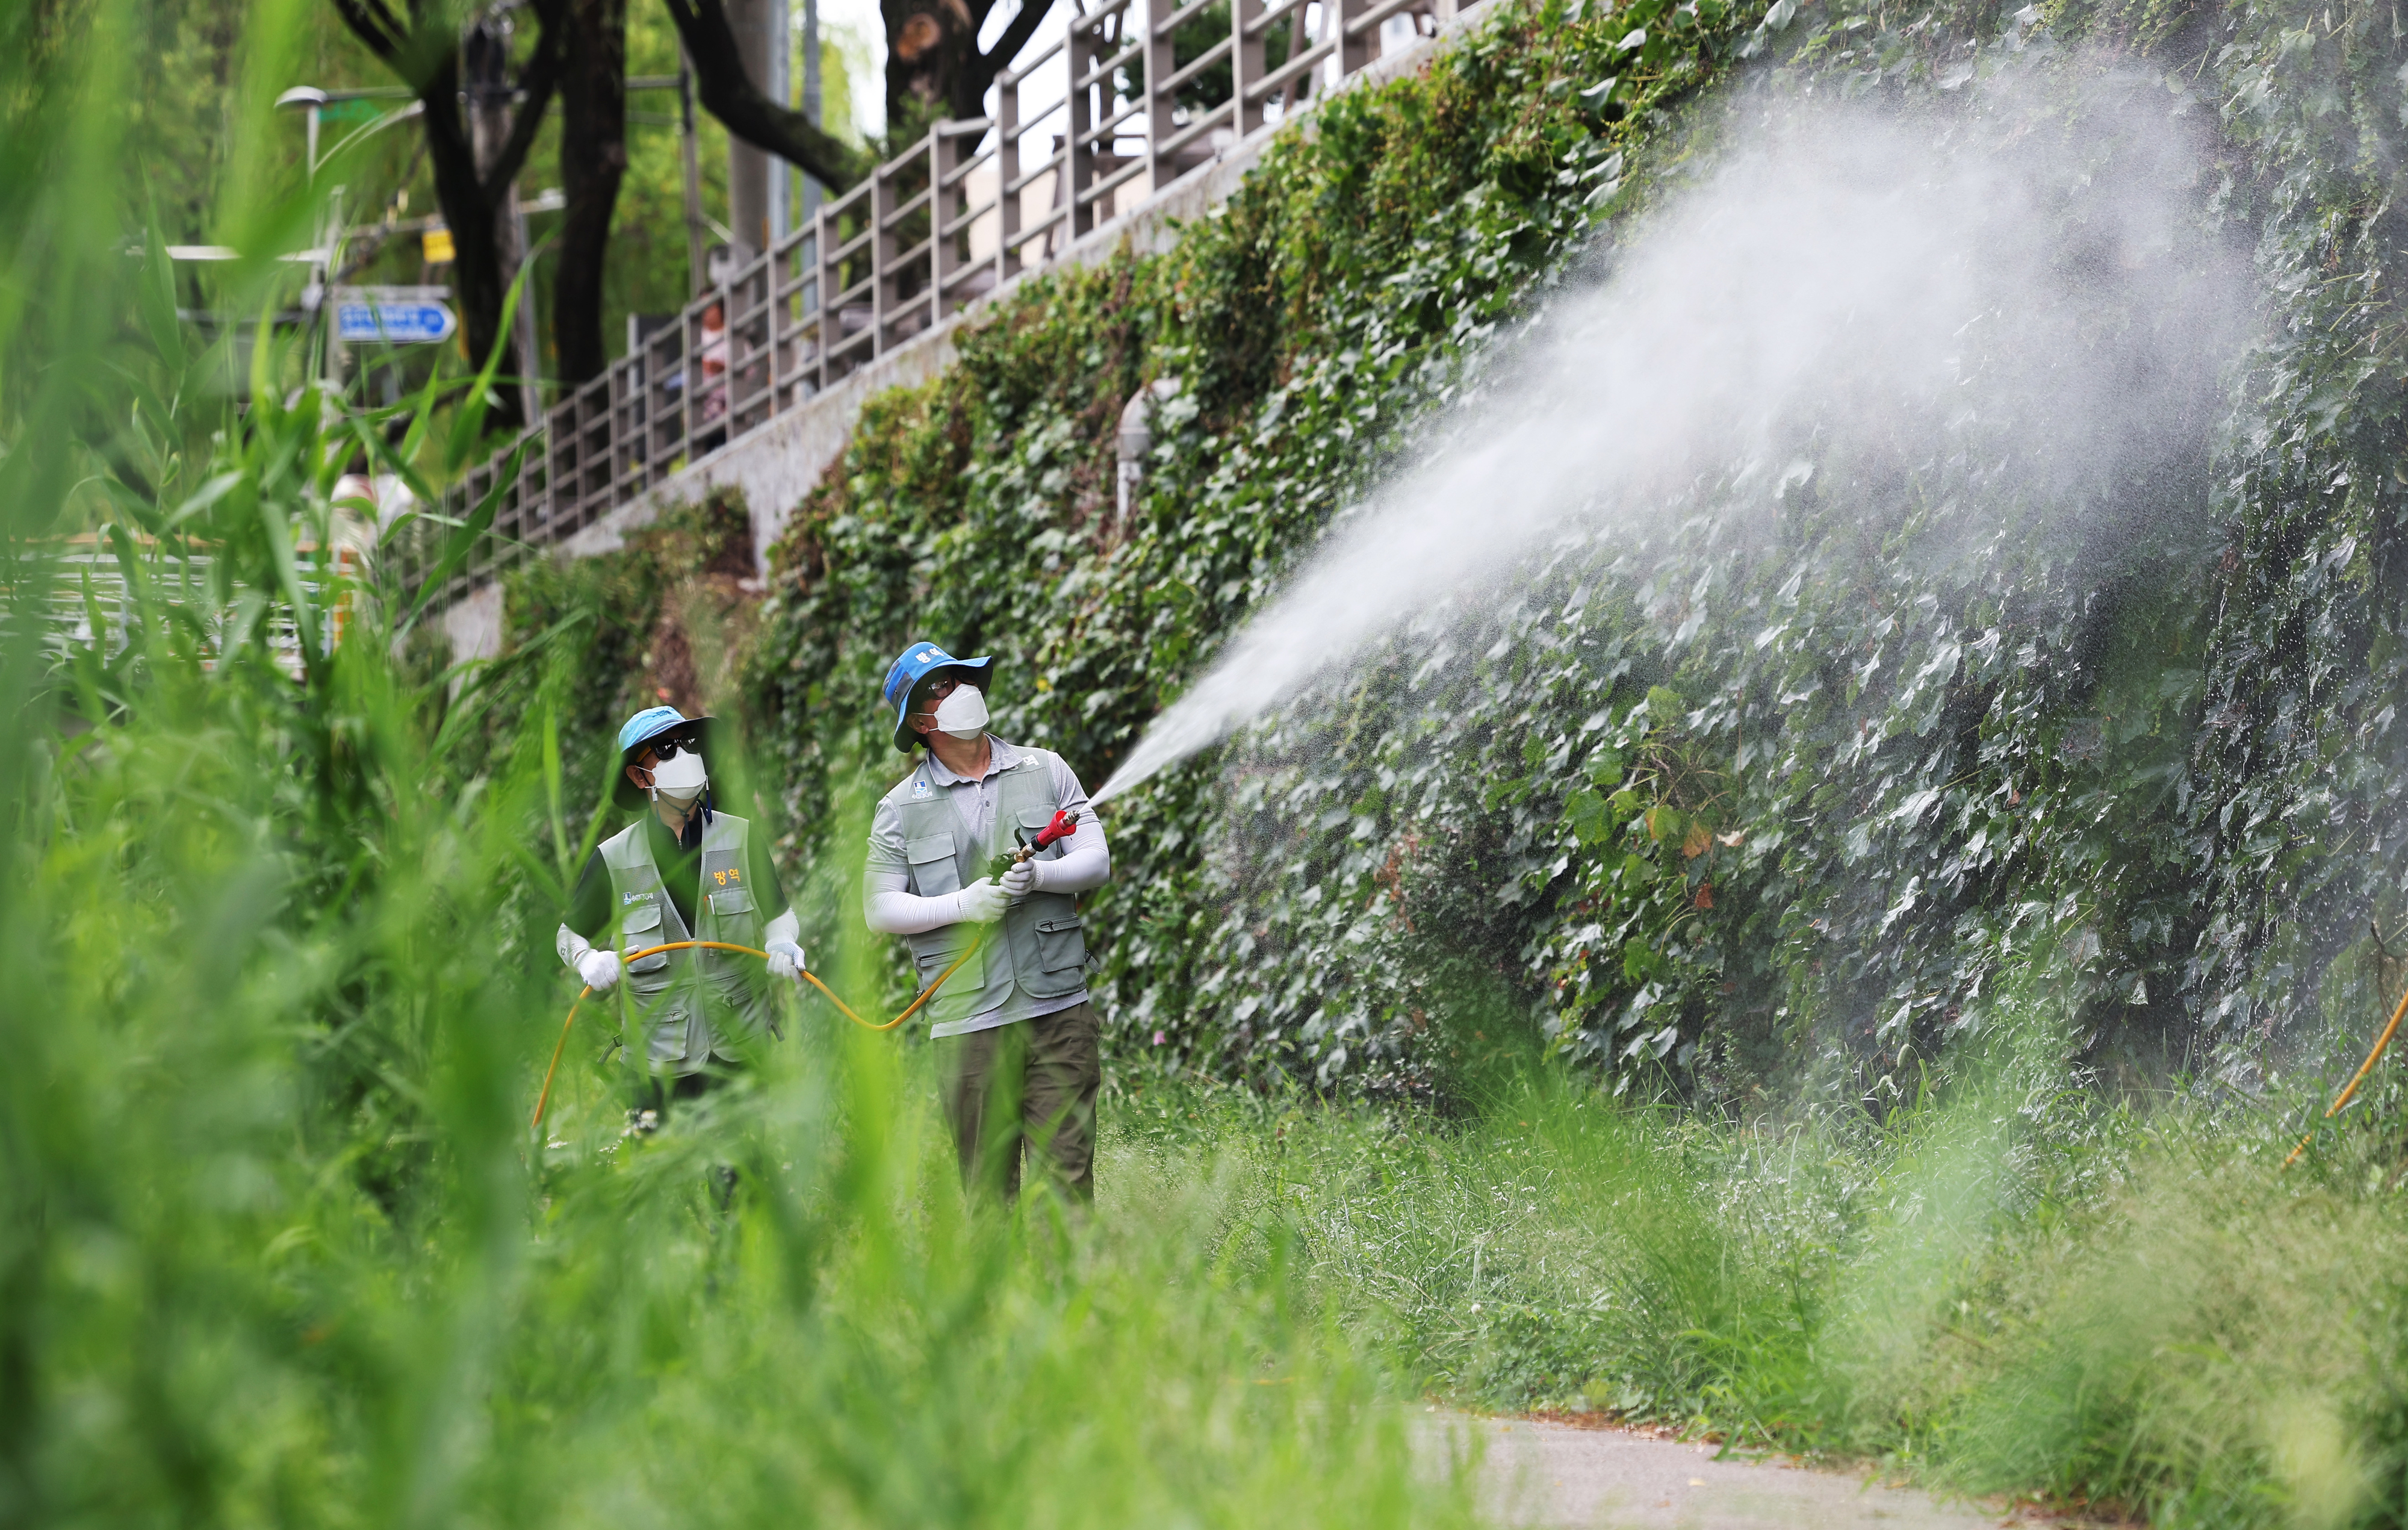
{"points": [[1064, 825]]}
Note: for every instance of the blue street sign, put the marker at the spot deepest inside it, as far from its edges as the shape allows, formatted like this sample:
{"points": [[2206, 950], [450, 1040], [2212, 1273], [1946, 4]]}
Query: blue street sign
{"points": [[419, 323]]}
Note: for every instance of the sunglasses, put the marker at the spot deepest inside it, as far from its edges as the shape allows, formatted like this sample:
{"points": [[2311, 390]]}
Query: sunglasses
{"points": [[937, 691], [667, 749]]}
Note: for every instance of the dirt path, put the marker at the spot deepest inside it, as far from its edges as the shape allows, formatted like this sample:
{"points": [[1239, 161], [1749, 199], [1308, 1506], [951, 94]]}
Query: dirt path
{"points": [[1555, 1475]]}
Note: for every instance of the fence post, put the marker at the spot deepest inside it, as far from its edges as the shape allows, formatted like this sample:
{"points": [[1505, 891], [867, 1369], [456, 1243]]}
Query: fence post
{"points": [[940, 247], [1007, 170], [831, 286], [626, 424], [777, 325], [1079, 170], [881, 257], [1160, 62], [1354, 47], [1245, 67]]}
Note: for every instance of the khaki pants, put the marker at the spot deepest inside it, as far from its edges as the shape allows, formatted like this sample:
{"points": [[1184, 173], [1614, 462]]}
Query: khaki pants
{"points": [[1030, 1083]]}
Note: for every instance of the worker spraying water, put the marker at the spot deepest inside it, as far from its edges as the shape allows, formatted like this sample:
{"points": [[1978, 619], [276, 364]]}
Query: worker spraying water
{"points": [[683, 871], [984, 833]]}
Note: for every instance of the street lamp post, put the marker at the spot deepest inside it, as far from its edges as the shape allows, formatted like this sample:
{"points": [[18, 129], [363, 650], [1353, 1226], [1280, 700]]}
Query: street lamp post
{"points": [[313, 100]]}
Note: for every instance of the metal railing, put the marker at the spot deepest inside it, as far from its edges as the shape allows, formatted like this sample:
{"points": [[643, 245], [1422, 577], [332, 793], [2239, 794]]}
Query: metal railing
{"points": [[88, 605], [1117, 108]]}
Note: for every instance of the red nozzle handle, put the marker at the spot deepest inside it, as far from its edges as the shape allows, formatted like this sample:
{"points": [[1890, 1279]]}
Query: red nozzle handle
{"points": [[1062, 827]]}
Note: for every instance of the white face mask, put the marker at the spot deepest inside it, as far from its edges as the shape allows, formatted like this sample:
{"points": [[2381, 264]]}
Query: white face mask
{"points": [[963, 713], [680, 779]]}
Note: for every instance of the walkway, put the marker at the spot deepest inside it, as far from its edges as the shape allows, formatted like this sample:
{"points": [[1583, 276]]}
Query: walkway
{"points": [[1556, 1475]]}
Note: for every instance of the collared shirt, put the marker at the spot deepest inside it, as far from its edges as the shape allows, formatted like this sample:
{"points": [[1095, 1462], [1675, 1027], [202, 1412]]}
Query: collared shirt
{"points": [[973, 801]]}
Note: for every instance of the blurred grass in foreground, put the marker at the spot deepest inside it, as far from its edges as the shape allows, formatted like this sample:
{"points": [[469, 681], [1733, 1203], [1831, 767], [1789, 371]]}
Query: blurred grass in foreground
{"points": [[275, 924], [282, 1250]]}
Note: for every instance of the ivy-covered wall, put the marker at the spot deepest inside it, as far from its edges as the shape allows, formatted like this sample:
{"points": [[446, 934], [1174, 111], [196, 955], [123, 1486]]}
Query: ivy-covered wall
{"points": [[1710, 807]]}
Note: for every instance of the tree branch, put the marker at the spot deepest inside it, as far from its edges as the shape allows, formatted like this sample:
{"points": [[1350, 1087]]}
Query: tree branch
{"points": [[542, 74], [375, 27], [728, 93], [1016, 34]]}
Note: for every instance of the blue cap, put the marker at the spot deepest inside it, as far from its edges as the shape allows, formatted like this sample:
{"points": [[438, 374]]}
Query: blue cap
{"points": [[915, 664], [642, 729], [645, 724]]}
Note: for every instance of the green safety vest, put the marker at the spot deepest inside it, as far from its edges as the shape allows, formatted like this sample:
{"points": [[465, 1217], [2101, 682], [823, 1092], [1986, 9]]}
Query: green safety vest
{"points": [[678, 993], [1038, 950]]}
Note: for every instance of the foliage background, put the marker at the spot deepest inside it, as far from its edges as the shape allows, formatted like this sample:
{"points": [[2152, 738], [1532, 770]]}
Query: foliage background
{"points": [[1721, 859], [277, 1247]]}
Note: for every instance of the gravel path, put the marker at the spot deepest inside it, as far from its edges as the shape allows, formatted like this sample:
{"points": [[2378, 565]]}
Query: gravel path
{"points": [[1537, 1474]]}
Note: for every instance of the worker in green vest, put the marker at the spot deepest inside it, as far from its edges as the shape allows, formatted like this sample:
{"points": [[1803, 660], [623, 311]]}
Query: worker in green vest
{"points": [[682, 870], [1015, 1037]]}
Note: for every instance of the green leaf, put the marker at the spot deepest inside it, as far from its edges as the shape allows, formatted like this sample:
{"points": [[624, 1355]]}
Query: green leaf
{"points": [[1588, 816]]}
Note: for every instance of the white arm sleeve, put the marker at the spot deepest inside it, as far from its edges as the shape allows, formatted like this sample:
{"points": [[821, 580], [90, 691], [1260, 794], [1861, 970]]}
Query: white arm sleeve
{"points": [[571, 946], [891, 910], [786, 926], [1085, 861]]}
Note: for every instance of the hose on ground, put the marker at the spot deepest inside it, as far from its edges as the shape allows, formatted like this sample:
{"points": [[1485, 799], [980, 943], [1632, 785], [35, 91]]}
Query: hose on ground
{"points": [[2363, 1069]]}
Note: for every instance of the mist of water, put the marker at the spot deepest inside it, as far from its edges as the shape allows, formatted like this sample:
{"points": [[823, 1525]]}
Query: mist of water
{"points": [[1839, 271]]}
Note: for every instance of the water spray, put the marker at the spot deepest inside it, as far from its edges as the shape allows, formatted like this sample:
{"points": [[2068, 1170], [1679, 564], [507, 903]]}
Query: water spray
{"points": [[1841, 272]]}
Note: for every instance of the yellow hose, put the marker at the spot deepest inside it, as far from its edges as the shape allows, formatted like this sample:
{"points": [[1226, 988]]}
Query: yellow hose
{"points": [[544, 1100], [2363, 1069]]}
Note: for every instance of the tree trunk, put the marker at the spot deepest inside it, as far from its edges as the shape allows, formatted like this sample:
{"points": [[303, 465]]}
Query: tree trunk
{"points": [[485, 66], [748, 166], [729, 94], [935, 70], [472, 177], [930, 45], [476, 276], [593, 160]]}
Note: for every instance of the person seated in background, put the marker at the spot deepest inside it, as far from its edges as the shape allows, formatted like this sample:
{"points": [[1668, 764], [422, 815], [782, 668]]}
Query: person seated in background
{"points": [[682, 870]]}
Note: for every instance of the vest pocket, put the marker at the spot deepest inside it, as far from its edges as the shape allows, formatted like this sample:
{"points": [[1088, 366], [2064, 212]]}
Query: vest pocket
{"points": [[967, 984], [641, 927], [1061, 946], [734, 901], [934, 871]]}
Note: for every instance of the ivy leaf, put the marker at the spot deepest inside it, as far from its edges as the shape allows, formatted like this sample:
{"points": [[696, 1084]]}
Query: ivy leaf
{"points": [[1639, 958], [1666, 825], [1587, 814]]}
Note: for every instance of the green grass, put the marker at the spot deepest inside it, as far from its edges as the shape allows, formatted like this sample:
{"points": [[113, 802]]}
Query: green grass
{"points": [[285, 1252], [2015, 1286]]}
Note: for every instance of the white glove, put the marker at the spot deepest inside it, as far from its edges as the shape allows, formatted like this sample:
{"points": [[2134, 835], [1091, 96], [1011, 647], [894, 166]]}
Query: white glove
{"points": [[982, 902], [600, 970], [1021, 880], [785, 961]]}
